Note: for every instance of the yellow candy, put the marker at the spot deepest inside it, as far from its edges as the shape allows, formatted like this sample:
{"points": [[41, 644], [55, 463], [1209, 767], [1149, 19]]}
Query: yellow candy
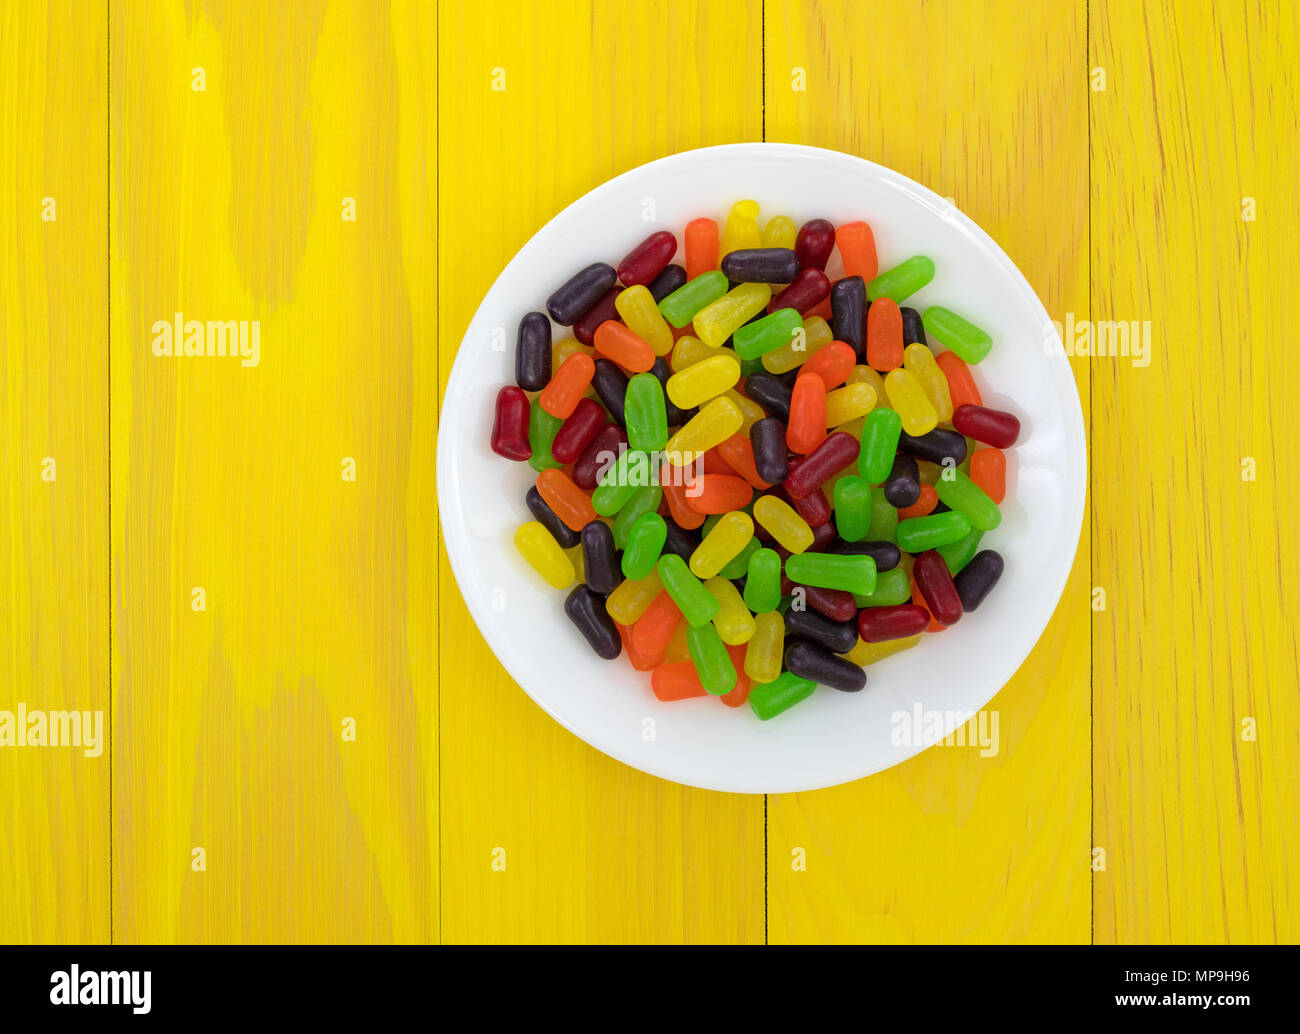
{"points": [[766, 647], [688, 351], [780, 232], [678, 648], [641, 313], [541, 550], [579, 562], [741, 228], [866, 375], [713, 424], [816, 335], [718, 321], [630, 600], [702, 381], [783, 524], [729, 536], [919, 361], [750, 411], [849, 403], [909, 400], [853, 427], [734, 622], [868, 653]]}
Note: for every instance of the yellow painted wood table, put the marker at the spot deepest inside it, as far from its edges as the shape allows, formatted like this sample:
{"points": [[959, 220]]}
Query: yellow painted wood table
{"points": [[236, 560]]}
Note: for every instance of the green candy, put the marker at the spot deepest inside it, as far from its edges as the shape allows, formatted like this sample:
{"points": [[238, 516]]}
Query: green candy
{"points": [[852, 508], [855, 574], [892, 588], [620, 481], [542, 429], [903, 280], [960, 553], [644, 500], [958, 492], [754, 340], [917, 534], [959, 335], [738, 566], [697, 604], [782, 693], [884, 518], [880, 433], [644, 544], [712, 662], [680, 307], [763, 581], [645, 413]]}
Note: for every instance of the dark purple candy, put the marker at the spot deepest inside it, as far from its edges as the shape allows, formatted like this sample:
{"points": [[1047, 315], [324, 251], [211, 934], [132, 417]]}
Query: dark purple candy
{"points": [[549, 519], [836, 636], [580, 293], [761, 265], [903, 486], [600, 558], [671, 278], [849, 312], [771, 394], [767, 436], [976, 579], [533, 352], [818, 664], [610, 383], [586, 609]]}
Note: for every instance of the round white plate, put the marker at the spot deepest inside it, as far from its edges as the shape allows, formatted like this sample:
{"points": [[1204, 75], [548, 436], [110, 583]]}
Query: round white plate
{"points": [[832, 737]]}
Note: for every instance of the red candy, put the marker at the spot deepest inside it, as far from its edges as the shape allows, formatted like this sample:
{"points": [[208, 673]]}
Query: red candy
{"points": [[805, 292], [576, 433], [814, 243], [990, 426], [510, 425], [934, 581], [602, 449], [822, 464], [647, 260], [881, 624], [585, 329]]}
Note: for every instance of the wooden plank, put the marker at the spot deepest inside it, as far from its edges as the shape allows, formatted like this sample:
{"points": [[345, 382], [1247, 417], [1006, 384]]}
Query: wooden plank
{"points": [[54, 819], [1196, 124], [230, 204], [594, 851], [985, 104]]}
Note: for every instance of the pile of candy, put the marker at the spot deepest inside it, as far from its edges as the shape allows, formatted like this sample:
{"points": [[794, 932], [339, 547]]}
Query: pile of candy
{"points": [[760, 479]]}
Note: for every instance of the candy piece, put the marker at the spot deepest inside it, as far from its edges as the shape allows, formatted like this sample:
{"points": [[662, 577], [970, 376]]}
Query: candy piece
{"points": [[763, 584], [855, 574], [727, 538], [772, 698], [836, 452], [619, 482], [903, 486], [909, 400], [924, 505], [884, 349], [567, 537], [701, 246], [670, 278], [606, 308], [577, 432], [561, 396], [885, 554], [702, 381], [836, 636], [675, 488], [720, 319], [958, 554], [779, 519], [767, 437], [849, 403], [602, 451], [761, 266], [737, 567], [610, 383], [741, 228], [688, 351], [852, 505], [913, 328], [884, 517], [718, 493], [631, 599], [832, 364], [645, 413], [763, 652], [770, 393], [880, 434], [808, 289], [544, 554], [835, 604], [807, 427], [711, 659], [681, 541], [957, 334], [893, 588], [764, 335], [586, 609], [816, 336], [510, 424], [739, 454], [647, 259], [978, 577], [990, 426], [599, 558], [904, 280], [869, 653], [644, 500], [917, 534], [857, 246], [750, 411], [645, 541], [780, 232], [676, 681], [697, 604], [810, 661], [957, 491], [881, 624], [734, 622], [618, 343], [936, 585], [918, 360], [849, 312], [988, 469], [693, 298], [533, 352], [714, 423], [941, 446], [542, 429], [580, 292], [813, 244], [570, 503], [640, 312]]}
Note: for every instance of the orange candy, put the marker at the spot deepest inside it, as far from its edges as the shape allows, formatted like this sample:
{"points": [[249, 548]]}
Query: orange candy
{"points": [[675, 495], [738, 696], [713, 462], [884, 335], [654, 629], [640, 661], [617, 342], [678, 681], [570, 503], [923, 507], [961, 385], [857, 246], [719, 493], [738, 452], [832, 363], [560, 398], [988, 469], [807, 427], [701, 247]]}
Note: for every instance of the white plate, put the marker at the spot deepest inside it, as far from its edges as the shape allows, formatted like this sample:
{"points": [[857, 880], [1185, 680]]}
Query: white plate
{"points": [[832, 737]]}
